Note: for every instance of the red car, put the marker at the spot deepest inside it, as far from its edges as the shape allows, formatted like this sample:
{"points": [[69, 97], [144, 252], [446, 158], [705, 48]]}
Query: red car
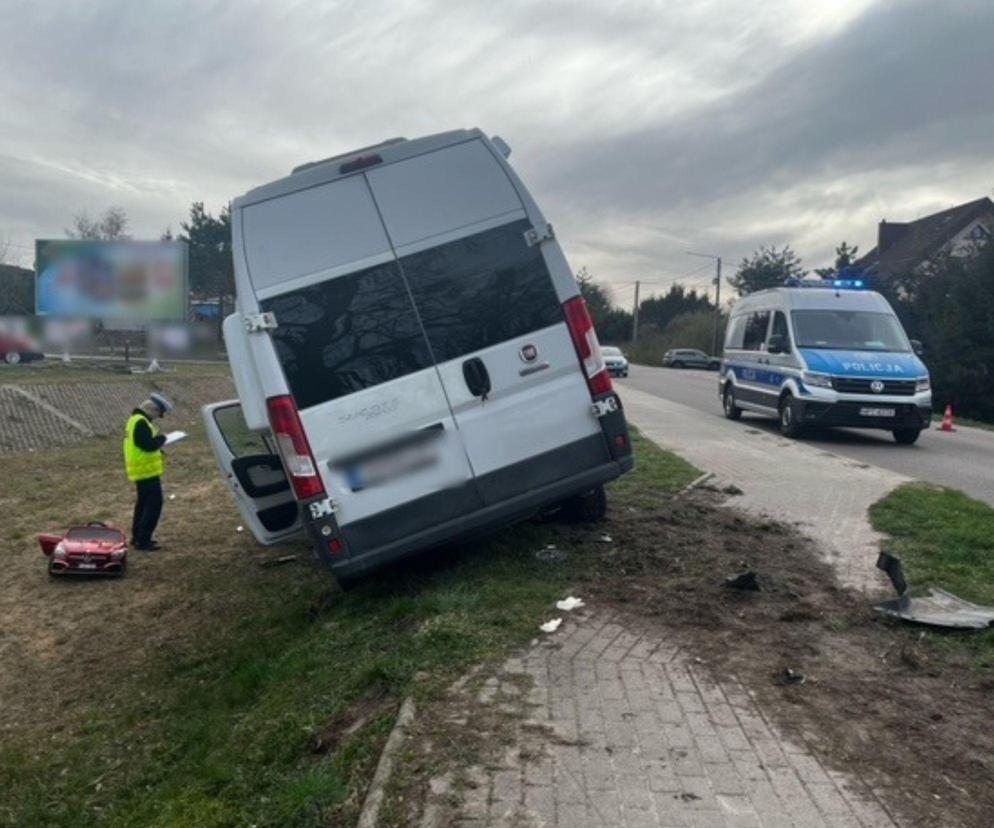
{"points": [[15, 349], [94, 549]]}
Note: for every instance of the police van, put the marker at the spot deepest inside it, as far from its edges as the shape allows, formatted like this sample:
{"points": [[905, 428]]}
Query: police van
{"points": [[412, 357], [824, 353]]}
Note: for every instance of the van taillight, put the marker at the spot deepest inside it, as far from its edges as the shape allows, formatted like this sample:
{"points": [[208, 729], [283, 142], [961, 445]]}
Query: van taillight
{"points": [[293, 447], [588, 349]]}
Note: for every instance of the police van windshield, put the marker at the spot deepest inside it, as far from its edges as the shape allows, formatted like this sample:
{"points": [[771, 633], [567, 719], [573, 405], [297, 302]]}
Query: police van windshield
{"points": [[848, 330]]}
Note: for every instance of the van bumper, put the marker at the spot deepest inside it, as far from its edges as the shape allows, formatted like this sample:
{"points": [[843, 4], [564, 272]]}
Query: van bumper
{"points": [[847, 414], [482, 520]]}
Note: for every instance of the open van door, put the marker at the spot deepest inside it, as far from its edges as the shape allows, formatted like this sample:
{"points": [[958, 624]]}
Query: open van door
{"points": [[254, 473]]}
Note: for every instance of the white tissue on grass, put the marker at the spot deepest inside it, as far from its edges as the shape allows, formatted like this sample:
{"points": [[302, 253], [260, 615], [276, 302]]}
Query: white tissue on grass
{"points": [[551, 626], [239, 528], [569, 604], [172, 497], [606, 539]]}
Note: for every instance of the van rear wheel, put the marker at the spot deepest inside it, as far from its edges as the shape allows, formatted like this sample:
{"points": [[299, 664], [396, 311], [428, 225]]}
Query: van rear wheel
{"points": [[589, 507], [906, 436]]}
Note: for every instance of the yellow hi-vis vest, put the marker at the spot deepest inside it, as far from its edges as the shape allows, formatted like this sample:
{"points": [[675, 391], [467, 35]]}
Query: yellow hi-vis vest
{"points": [[141, 464]]}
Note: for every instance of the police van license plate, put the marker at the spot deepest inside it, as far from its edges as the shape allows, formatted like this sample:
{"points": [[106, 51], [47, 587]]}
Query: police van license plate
{"points": [[877, 412]]}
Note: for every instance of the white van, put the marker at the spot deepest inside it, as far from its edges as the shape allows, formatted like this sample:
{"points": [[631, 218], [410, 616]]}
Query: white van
{"points": [[412, 357], [824, 353]]}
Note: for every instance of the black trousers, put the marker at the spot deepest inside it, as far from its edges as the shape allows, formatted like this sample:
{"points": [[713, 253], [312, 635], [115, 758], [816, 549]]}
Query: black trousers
{"points": [[148, 507]]}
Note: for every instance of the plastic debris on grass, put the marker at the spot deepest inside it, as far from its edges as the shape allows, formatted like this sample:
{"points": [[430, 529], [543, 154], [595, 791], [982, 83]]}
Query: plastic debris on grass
{"points": [[936, 609], [551, 626], [569, 604], [551, 554]]}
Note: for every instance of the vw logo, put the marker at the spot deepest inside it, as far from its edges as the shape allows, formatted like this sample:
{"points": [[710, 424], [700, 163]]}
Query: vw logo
{"points": [[528, 353], [876, 386]]}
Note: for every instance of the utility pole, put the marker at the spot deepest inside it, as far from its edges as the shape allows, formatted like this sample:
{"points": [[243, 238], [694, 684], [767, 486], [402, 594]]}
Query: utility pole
{"points": [[717, 296], [717, 307], [635, 316]]}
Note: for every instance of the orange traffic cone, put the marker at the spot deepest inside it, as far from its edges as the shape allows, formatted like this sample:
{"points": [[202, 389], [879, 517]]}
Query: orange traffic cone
{"points": [[947, 420]]}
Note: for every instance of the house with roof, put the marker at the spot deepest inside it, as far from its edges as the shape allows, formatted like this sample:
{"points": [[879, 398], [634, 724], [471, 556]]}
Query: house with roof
{"points": [[904, 247]]}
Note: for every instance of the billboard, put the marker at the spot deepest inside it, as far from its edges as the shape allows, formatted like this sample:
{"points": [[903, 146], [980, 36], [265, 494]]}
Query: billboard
{"points": [[125, 281]]}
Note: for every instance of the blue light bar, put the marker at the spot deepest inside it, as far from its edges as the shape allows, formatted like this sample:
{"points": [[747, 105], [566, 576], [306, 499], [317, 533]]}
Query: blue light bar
{"points": [[832, 284]]}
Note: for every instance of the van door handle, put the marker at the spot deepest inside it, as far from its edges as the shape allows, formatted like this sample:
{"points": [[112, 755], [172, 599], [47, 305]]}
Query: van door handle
{"points": [[477, 377]]}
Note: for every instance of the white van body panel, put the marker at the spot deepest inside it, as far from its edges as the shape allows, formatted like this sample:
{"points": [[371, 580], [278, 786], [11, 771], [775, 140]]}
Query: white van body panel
{"points": [[528, 411], [310, 232], [441, 191], [247, 384], [366, 419]]}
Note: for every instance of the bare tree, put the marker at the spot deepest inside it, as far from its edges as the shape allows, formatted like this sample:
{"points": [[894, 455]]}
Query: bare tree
{"points": [[111, 226]]}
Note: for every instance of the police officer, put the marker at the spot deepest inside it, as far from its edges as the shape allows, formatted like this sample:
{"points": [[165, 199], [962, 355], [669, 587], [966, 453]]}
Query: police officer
{"points": [[144, 462]]}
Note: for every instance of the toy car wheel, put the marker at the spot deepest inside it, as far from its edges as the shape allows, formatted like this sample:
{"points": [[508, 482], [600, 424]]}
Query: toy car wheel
{"points": [[12, 357], [677, 364]]}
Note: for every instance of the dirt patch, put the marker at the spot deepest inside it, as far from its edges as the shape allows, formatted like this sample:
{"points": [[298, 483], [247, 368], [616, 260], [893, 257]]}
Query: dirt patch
{"points": [[877, 698], [869, 697]]}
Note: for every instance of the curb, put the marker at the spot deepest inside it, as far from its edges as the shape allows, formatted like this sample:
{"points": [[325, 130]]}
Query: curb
{"points": [[374, 797]]}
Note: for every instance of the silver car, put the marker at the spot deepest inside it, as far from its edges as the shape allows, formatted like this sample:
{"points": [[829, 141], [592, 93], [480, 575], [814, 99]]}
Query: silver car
{"points": [[615, 360]]}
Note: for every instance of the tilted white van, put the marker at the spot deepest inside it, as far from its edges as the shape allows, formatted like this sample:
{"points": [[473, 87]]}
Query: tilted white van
{"points": [[412, 357]]}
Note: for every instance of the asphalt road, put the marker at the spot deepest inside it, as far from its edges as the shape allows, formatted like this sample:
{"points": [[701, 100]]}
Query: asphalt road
{"points": [[963, 459]]}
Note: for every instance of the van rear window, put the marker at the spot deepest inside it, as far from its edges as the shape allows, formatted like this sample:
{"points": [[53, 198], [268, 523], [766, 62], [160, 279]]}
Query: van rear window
{"points": [[346, 334], [481, 290]]}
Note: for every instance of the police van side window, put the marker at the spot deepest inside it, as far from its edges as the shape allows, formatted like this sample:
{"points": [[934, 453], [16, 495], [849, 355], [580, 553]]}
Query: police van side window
{"points": [[755, 330], [736, 332], [481, 290], [780, 326], [346, 334]]}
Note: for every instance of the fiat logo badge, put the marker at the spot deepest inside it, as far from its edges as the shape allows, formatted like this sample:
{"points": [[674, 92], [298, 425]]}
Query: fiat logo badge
{"points": [[528, 353], [876, 386]]}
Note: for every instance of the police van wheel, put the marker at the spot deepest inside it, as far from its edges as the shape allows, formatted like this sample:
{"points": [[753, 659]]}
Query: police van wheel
{"points": [[589, 507], [732, 411], [789, 427], [906, 436]]}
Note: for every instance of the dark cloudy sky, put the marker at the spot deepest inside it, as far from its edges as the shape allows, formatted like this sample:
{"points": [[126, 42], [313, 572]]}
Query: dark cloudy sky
{"points": [[644, 129]]}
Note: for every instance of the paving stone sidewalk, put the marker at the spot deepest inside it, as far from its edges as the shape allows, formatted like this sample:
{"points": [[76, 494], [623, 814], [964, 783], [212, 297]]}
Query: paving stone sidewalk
{"points": [[622, 729]]}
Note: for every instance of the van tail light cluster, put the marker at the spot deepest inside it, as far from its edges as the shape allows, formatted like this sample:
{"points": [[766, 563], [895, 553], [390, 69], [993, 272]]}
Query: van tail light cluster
{"points": [[293, 447], [588, 349]]}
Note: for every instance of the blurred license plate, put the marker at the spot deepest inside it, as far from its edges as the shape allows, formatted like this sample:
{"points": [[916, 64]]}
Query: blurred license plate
{"points": [[382, 469], [86, 566], [877, 412]]}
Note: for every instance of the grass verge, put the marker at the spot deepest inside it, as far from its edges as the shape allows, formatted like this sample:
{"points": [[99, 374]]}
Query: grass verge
{"points": [[945, 539], [202, 690]]}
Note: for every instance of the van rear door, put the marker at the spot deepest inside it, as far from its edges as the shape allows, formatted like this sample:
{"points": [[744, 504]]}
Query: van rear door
{"points": [[493, 316], [253, 472], [355, 359]]}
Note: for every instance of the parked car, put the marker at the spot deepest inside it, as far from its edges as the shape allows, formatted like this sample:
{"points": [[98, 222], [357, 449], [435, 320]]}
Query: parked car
{"points": [[830, 353], [94, 549], [690, 358], [616, 361], [412, 356], [15, 349]]}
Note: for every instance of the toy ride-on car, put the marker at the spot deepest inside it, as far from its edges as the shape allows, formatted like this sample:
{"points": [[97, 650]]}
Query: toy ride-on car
{"points": [[94, 549]]}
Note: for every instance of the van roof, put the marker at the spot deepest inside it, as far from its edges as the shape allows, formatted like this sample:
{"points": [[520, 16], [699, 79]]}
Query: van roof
{"points": [[813, 298], [315, 173]]}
